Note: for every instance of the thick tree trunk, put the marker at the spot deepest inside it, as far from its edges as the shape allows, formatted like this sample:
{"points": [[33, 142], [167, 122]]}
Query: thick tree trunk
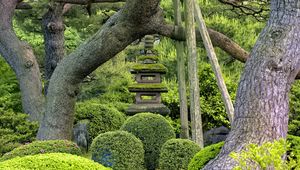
{"points": [[197, 133], [53, 29], [20, 57], [136, 19], [261, 109], [181, 75]]}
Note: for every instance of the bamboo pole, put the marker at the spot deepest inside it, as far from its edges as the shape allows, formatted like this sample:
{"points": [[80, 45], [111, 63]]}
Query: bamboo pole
{"points": [[214, 62], [197, 134], [181, 75]]}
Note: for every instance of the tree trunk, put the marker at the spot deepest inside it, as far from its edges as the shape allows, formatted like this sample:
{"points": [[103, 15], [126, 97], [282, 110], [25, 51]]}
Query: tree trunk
{"points": [[21, 59], [136, 19], [262, 102], [53, 29], [214, 62], [197, 133], [181, 75]]}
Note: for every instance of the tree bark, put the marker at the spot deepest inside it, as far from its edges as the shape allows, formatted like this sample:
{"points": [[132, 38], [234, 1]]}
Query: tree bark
{"points": [[136, 19], [181, 76], [262, 102], [21, 59], [53, 30], [214, 62], [197, 133]]}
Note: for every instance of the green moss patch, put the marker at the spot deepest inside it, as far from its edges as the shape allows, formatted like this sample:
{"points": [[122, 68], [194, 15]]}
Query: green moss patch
{"points": [[149, 68], [147, 57]]}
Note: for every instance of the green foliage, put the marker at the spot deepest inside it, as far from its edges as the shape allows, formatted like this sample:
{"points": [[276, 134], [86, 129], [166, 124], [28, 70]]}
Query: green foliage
{"points": [[153, 130], [177, 153], [294, 114], [269, 154], [51, 161], [102, 117], [118, 149], [204, 156], [293, 148], [10, 97], [15, 130], [175, 123], [212, 106], [40, 147]]}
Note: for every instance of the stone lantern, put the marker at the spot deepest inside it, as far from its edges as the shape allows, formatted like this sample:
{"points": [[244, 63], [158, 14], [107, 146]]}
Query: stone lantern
{"points": [[148, 86]]}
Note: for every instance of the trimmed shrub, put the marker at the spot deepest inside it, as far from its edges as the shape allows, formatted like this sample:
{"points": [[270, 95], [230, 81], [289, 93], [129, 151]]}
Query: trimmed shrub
{"points": [[119, 150], [15, 130], [51, 161], [204, 156], [102, 118], [39, 147], [153, 130], [177, 153]]}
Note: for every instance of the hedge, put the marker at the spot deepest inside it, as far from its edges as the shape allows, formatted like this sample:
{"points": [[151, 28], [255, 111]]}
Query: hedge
{"points": [[51, 161], [102, 117], [38, 147], [153, 130], [119, 150], [177, 153]]}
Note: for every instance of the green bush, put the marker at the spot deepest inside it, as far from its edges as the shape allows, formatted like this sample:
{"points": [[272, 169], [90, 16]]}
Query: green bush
{"points": [[294, 147], [153, 130], [177, 153], [264, 156], [102, 117], [15, 130], [51, 161], [119, 150], [38, 147], [204, 156]]}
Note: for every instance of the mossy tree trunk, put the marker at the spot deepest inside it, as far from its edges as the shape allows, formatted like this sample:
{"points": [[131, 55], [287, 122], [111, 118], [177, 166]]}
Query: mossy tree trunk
{"points": [[197, 133], [181, 75], [262, 101]]}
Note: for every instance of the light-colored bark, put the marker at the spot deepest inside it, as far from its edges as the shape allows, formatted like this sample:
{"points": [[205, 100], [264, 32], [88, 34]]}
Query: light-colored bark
{"points": [[181, 75], [197, 133], [214, 62], [20, 57], [262, 102]]}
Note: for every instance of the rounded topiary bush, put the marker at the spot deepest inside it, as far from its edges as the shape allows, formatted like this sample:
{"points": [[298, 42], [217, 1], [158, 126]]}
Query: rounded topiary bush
{"points": [[102, 117], [204, 156], [118, 149], [153, 130], [38, 147], [177, 153], [51, 161]]}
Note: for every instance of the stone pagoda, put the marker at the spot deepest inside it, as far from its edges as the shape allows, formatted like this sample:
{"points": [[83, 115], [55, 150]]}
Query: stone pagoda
{"points": [[149, 85]]}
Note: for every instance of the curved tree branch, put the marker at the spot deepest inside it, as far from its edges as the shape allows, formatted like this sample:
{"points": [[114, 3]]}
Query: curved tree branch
{"points": [[136, 19]]}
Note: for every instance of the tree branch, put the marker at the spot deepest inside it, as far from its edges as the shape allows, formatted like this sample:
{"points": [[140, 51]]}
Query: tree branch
{"points": [[218, 39]]}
